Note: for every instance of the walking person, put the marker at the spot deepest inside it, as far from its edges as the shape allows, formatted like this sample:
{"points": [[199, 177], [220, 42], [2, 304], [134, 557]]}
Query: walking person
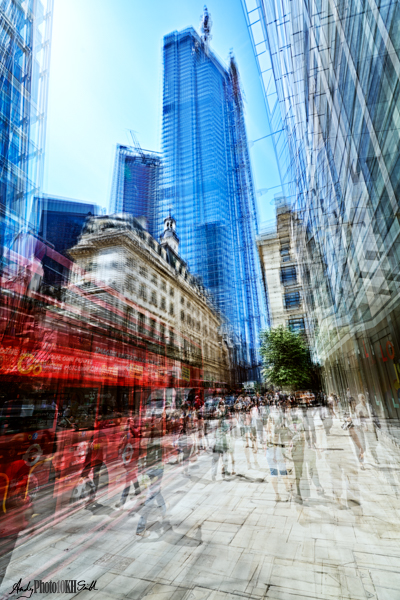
{"points": [[203, 444], [185, 444], [129, 452], [351, 424], [154, 469], [367, 427], [274, 453], [254, 416], [221, 447]]}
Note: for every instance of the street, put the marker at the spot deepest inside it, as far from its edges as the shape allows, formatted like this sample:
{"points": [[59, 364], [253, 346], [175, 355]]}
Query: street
{"points": [[231, 538]]}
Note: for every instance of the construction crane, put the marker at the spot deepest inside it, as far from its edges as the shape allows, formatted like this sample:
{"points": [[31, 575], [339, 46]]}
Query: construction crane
{"points": [[136, 144]]}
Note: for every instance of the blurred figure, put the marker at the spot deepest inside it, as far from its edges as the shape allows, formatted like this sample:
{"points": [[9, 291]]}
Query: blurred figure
{"points": [[353, 426], [366, 427], [254, 417], [331, 405], [326, 417], [185, 444], [154, 469], [221, 447], [203, 443], [274, 453], [233, 435], [129, 453]]}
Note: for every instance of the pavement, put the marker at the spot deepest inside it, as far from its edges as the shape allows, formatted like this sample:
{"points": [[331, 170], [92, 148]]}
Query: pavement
{"points": [[231, 538]]}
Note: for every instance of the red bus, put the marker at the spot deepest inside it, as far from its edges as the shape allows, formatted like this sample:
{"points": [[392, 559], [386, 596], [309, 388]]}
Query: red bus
{"points": [[80, 384]]}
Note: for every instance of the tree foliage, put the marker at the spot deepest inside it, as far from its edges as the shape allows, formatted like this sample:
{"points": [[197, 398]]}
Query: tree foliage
{"points": [[286, 359]]}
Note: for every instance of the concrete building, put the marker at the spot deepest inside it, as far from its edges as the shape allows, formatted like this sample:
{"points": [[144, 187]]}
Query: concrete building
{"points": [[280, 271], [158, 295]]}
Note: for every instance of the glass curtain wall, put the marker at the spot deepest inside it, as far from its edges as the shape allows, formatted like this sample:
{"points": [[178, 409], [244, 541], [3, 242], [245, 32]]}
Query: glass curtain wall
{"points": [[25, 31], [207, 184], [330, 72], [136, 183]]}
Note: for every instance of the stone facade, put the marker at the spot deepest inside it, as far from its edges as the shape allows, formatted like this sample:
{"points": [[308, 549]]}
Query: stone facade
{"points": [[159, 295], [280, 272]]}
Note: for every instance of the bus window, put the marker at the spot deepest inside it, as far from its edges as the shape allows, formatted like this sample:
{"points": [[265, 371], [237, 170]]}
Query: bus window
{"points": [[136, 400], [114, 403], [79, 407], [29, 412], [155, 403]]}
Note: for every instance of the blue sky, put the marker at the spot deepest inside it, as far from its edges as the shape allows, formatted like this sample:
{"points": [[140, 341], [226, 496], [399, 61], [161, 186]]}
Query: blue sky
{"points": [[106, 78]]}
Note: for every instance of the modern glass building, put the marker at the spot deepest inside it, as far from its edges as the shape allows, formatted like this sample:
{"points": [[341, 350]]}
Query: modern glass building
{"points": [[331, 76], [61, 221], [136, 183], [207, 184], [25, 31]]}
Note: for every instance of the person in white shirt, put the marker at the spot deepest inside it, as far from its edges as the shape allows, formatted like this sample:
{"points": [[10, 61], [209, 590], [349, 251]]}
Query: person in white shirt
{"points": [[365, 428]]}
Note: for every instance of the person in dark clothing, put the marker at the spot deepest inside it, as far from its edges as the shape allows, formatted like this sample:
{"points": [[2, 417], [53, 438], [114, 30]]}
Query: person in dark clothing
{"points": [[129, 452]]}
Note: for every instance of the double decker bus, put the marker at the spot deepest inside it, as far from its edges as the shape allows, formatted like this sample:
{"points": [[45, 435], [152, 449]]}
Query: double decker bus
{"points": [[82, 383]]}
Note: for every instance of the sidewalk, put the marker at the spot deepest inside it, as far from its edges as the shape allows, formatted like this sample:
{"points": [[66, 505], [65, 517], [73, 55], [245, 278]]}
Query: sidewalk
{"points": [[231, 539]]}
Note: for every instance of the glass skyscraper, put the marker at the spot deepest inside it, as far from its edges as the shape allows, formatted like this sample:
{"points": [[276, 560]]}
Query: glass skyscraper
{"points": [[207, 184], [331, 76], [136, 183], [25, 30], [61, 220]]}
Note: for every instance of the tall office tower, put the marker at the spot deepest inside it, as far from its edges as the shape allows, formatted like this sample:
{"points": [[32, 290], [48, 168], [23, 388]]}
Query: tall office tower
{"points": [[207, 184], [25, 31], [331, 74], [135, 185]]}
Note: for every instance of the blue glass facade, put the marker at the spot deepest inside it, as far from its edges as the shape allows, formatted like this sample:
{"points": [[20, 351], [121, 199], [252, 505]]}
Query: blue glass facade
{"points": [[208, 186], [136, 184], [61, 221], [25, 29], [331, 76]]}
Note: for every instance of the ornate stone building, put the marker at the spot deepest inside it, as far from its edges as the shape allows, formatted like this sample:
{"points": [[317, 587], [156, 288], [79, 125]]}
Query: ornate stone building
{"points": [[281, 275], [151, 290]]}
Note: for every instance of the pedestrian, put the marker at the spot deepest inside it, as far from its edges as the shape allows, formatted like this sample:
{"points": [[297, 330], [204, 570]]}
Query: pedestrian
{"points": [[326, 418], [254, 417], [129, 453], [185, 445], [367, 427], [221, 447], [154, 469], [352, 426], [275, 458]]}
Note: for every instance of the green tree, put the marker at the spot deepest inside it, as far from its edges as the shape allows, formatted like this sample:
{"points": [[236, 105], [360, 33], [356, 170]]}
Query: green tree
{"points": [[286, 359]]}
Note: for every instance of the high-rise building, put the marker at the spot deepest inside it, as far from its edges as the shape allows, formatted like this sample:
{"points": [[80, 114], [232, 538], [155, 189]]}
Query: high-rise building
{"points": [[135, 184], [25, 31], [61, 221], [207, 184], [331, 75]]}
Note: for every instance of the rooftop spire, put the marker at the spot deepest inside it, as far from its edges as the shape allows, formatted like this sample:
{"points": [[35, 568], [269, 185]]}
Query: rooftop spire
{"points": [[205, 27]]}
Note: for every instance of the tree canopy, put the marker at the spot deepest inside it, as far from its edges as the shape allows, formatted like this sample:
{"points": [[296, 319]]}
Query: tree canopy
{"points": [[286, 358]]}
